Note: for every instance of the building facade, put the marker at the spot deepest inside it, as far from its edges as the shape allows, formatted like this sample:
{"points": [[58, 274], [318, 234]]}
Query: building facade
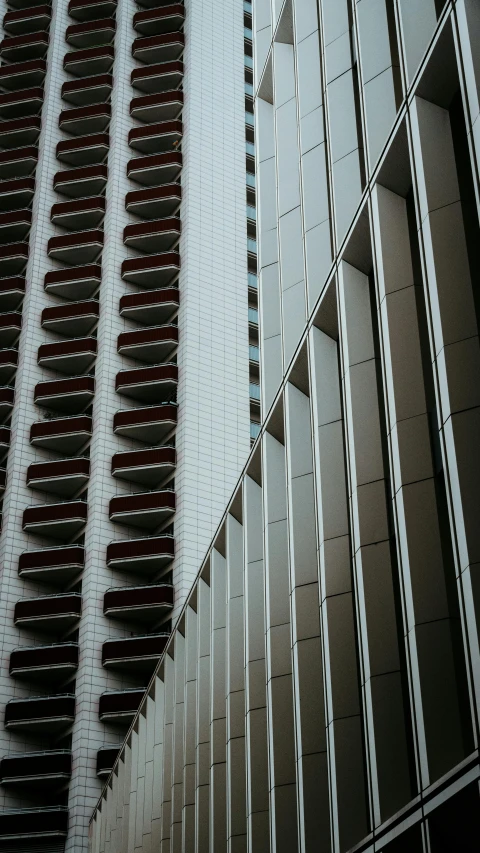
{"points": [[321, 689], [128, 294]]}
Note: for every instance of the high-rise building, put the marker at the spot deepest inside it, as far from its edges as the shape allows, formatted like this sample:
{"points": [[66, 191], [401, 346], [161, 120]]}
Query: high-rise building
{"points": [[321, 689], [128, 306]]}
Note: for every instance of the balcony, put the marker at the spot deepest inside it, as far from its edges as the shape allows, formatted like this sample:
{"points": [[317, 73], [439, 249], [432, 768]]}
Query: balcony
{"points": [[147, 604], [151, 345], [78, 183], [4, 442], [156, 236], [45, 770], [153, 271], [95, 60], [12, 291], [16, 193], [27, 102], [10, 328], [15, 225], [136, 654], [64, 435], [152, 79], [155, 169], [88, 90], [143, 509], [73, 320], [88, 10], [81, 120], [148, 384], [52, 663], [83, 247], [120, 706], [7, 397], [39, 823], [21, 131], [91, 33], [19, 163], [47, 714], [158, 21], [3, 480], [23, 48], [8, 364], [57, 565], [22, 75], [57, 521], [148, 467], [72, 396], [30, 20], [154, 49], [150, 425], [51, 613], [82, 213], [149, 556], [155, 203], [73, 357], [77, 283], [65, 477], [161, 107], [84, 150], [156, 138], [106, 758], [150, 307]]}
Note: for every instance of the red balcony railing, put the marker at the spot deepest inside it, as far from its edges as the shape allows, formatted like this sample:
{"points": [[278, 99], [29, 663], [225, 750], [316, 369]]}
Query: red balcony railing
{"points": [[64, 435], [143, 509], [52, 564], [72, 356], [81, 120], [26, 102], [166, 19], [19, 131], [88, 90], [151, 603], [155, 138], [20, 75], [163, 106], [152, 271], [84, 150], [46, 769], [148, 384], [77, 283], [148, 467], [71, 395], [155, 169], [49, 612], [87, 10], [82, 247], [34, 823], [151, 344], [40, 713], [36, 19], [150, 425], [50, 663], [58, 521], [63, 477], [156, 78], [139, 654], [162, 48], [119, 706], [93, 60], [156, 202], [91, 33], [148, 556]]}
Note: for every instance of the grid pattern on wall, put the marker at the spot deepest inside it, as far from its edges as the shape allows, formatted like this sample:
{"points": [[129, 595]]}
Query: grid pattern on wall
{"points": [[129, 409], [322, 686]]}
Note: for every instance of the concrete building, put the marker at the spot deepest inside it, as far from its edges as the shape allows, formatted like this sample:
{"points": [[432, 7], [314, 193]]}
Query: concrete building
{"points": [[321, 689], [127, 297]]}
